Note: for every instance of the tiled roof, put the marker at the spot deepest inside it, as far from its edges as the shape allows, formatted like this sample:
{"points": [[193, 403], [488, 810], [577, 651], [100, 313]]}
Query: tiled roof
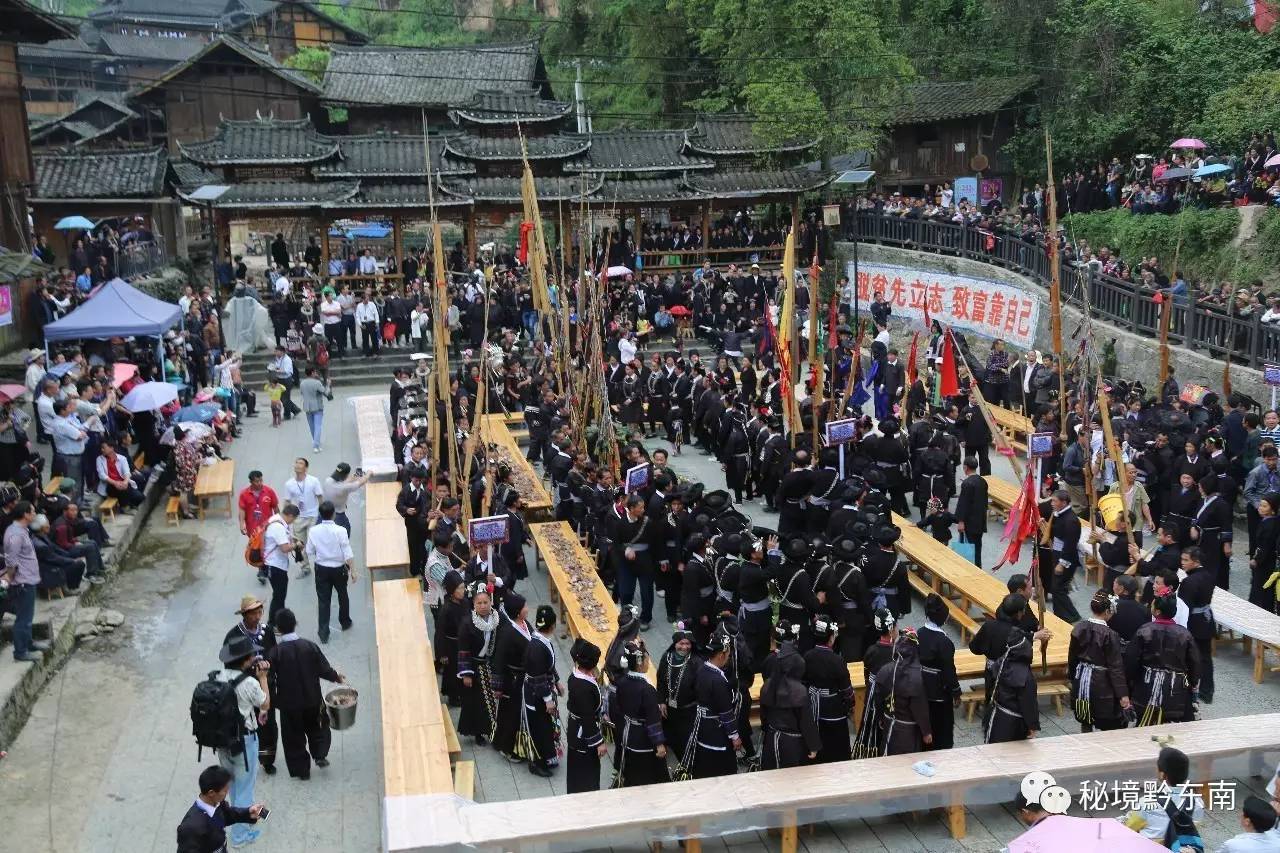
{"points": [[19, 265], [286, 194], [123, 173], [189, 176], [756, 182], [388, 155], [72, 48], [261, 58], [21, 21], [440, 77], [638, 151], [508, 189], [151, 47], [94, 117], [645, 190], [388, 195], [262, 142], [497, 107], [927, 102], [468, 147], [734, 134]]}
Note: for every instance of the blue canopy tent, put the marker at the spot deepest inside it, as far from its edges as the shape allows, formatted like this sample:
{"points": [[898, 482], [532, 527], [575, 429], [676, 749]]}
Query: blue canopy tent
{"points": [[117, 309]]}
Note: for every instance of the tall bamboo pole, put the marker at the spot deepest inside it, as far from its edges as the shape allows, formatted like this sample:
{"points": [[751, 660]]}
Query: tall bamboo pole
{"points": [[1055, 289], [816, 365]]}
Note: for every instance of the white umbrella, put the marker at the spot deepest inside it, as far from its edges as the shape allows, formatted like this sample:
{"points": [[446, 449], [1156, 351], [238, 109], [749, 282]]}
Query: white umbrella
{"points": [[193, 432], [617, 272], [149, 396]]}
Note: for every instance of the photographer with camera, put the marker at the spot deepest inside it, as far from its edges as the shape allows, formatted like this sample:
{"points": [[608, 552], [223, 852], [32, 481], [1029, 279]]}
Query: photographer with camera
{"points": [[247, 671]]}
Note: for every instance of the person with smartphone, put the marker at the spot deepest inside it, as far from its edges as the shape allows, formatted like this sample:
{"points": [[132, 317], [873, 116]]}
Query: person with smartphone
{"points": [[338, 488]]}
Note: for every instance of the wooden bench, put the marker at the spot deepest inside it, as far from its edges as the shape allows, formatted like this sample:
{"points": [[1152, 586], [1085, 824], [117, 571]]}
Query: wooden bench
{"points": [[450, 734], [215, 481], [1003, 495], [380, 500], [107, 508], [702, 808], [1016, 427], [377, 455], [971, 700], [386, 545], [967, 625], [415, 747], [1258, 629], [139, 461], [464, 779], [173, 511], [537, 500]]}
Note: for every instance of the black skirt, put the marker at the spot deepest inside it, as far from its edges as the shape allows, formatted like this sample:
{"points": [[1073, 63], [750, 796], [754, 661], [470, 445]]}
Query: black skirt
{"points": [[582, 771], [639, 768], [713, 762], [677, 726], [479, 707], [506, 727], [782, 749], [836, 745], [942, 719], [538, 735], [1000, 726]]}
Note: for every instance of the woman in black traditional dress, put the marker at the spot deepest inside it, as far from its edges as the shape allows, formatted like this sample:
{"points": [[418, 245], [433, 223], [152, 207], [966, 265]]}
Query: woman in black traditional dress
{"points": [[628, 629], [677, 686], [1013, 713], [1266, 545], [640, 757], [869, 743], [476, 640], [1099, 689], [1163, 665], [453, 614], [508, 677], [586, 744], [715, 734], [900, 685], [540, 720], [790, 728], [938, 667], [830, 691]]}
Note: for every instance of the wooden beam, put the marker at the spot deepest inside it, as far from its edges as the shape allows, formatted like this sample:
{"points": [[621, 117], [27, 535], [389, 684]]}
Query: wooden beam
{"points": [[706, 230], [471, 235], [324, 247], [397, 240]]}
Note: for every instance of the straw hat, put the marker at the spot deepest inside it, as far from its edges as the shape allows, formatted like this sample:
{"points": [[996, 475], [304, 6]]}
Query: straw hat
{"points": [[33, 354], [248, 603]]}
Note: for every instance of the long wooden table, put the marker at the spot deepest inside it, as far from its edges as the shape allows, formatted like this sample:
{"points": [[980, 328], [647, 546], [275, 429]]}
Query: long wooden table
{"points": [[415, 749], [692, 810], [974, 586], [386, 546], [537, 501], [1004, 495], [376, 454], [380, 500], [1015, 426], [560, 589], [215, 481]]}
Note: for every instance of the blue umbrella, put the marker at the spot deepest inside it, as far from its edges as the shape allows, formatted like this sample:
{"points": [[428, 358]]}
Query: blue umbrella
{"points": [[71, 223], [197, 412], [1212, 169]]}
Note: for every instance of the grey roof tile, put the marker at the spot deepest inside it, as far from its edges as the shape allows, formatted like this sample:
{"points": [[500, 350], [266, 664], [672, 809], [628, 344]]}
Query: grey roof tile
{"points": [[929, 102], [151, 47], [469, 147], [745, 183], [735, 134], [638, 151], [396, 194], [388, 155], [122, 173], [439, 77], [286, 194], [504, 189], [261, 142], [646, 190], [498, 107]]}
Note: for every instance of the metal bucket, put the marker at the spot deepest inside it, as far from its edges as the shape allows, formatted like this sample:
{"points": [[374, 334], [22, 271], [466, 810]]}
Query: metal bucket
{"points": [[340, 705]]}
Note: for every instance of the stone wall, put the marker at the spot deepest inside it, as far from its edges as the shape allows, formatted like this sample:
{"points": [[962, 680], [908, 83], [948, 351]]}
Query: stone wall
{"points": [[1137, 356]]}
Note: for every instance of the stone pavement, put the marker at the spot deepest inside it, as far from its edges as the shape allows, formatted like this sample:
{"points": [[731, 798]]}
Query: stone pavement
{"points": [[107, 762]]}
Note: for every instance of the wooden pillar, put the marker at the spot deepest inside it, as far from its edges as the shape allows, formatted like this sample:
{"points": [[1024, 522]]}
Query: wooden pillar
{"points": [[795, 216], [397, 239], [706, 230], [324, 247], [471, 234], [566, 241], [635, 235]]}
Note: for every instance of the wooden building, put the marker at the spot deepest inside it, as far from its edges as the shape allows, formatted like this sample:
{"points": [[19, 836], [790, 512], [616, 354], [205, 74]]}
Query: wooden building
{"points": [[101, 118], [387, 89], [230, 80], [944, 131]]}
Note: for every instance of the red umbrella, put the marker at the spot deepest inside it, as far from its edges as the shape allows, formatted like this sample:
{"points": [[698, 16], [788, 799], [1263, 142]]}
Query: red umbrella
{"points": [[680, 311], [9, 393]]}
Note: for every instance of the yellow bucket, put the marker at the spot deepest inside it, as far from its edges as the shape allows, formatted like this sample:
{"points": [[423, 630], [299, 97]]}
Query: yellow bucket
{"points": [[1112, 509]]}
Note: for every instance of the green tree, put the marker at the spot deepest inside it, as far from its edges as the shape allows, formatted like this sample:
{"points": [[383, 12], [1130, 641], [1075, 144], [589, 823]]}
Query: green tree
{"points": [[311, 61], [810, 68], [1232, 116]]}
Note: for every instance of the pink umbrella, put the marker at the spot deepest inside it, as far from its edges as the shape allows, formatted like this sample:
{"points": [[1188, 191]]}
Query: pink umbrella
{"points": [[1273, 160], [1188, 142], [9, 393], [1063, 834], [122, 372]]}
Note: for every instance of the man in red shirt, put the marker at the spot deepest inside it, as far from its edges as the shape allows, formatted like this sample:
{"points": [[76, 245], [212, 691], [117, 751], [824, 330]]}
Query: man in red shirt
{"points": [[258, 502]]}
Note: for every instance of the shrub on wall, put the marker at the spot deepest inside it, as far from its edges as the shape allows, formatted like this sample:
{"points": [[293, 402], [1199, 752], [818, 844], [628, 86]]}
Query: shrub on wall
{"points": [[1201, 239]]}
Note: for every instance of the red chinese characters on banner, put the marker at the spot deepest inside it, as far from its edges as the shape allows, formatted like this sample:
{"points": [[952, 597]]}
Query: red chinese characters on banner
{"points": [[989, 308]]}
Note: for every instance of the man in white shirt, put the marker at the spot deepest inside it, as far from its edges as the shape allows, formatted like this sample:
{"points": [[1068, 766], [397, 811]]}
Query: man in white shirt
{"points": [[329, 548], [1160, 587], [282, 284], [248, 672], [277, 547], [1258, 820], [69, 438], [303, 491], [331, 318], [367, 320], [627, 348], [368, 266], [44, 406], [283, 366]]}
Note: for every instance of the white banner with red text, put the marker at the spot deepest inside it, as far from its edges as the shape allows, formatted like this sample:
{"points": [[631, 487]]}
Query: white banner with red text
{"points": [[977, 305]]}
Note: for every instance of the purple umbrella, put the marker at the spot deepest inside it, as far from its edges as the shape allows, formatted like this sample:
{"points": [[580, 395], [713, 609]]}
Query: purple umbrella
{"points": [[1187, 142]]}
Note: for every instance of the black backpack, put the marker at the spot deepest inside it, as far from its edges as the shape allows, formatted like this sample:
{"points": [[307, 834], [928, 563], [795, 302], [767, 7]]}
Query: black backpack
{"points": [[1181, 831], [216, 721]]}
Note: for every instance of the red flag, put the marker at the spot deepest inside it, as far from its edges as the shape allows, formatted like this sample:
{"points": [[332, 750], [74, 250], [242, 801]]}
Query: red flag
{"points": [[949, 381], [912, 355], [1024, 517], [523, 254]]}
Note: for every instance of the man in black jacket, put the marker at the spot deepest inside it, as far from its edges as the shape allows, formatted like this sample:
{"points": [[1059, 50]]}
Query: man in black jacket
{"points": [[298, 666], [203, 827], [1064, 555], [1129, 613], [971, 507]]}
